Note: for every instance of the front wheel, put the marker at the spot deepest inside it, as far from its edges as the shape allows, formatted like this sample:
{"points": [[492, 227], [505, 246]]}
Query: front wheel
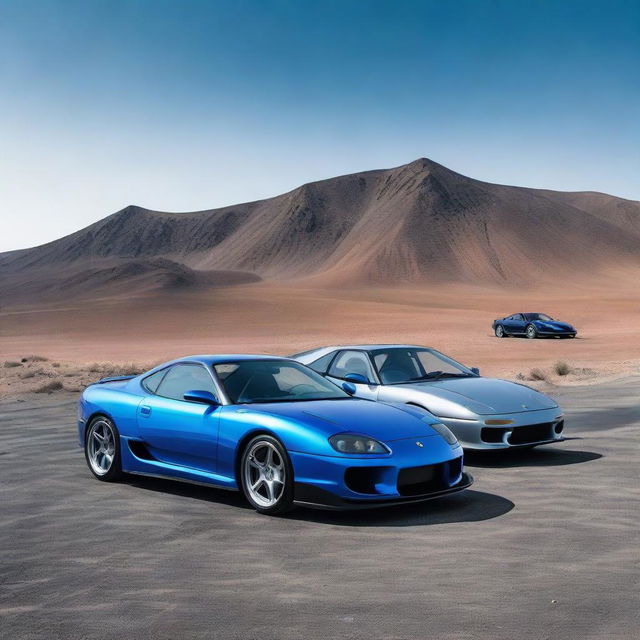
{"points": [[267, 476], [102, 449], [500, 332], [531, 332]]}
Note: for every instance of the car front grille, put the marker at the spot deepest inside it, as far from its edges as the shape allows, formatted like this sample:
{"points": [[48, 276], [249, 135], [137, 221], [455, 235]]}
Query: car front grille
{"points": [[527, 434], [531, 433], [415, 481]]}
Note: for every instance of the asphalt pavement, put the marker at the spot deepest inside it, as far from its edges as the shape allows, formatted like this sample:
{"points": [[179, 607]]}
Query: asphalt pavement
{"points": [[545, 545]]}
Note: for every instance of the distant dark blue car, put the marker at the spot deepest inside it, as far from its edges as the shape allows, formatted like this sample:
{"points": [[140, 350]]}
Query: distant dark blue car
{"points": [[532, 325]]}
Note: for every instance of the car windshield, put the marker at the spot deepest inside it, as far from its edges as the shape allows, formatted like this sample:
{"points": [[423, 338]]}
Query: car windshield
{"points": [[251, 381], [400, 365], [538, 316]]}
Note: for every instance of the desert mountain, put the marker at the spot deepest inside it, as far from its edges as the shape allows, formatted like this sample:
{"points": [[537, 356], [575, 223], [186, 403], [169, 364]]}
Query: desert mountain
{"points": [[418, 223]]}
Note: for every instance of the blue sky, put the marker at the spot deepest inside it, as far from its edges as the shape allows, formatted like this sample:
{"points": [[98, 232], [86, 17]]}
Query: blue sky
{"points": [[184, 105]]}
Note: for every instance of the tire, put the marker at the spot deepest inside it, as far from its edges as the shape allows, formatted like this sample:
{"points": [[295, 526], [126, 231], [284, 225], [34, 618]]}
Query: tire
{"points": [[102, 449], [531, 332], [266, 476], [500, 332]]}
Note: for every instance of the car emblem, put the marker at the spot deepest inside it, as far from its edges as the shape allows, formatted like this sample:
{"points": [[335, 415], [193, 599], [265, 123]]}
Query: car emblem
{"points": [[419, 444]]}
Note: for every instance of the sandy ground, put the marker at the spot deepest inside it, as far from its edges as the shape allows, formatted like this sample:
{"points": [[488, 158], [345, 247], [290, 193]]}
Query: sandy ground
{"points": [[544, 546], [285, 319]]}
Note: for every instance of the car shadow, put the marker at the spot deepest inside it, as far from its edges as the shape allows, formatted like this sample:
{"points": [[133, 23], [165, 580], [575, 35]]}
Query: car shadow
{"points": [[605, 418], [467, 506], [538, 457], [188, 490]]}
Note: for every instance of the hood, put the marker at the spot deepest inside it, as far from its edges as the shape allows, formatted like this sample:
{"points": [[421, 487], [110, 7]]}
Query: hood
{"points": [[487, 395], [561, 326], [384, 422]]}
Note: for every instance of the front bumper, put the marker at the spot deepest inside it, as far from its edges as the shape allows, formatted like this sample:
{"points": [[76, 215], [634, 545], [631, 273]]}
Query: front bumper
{"points": [[528, 428], [310, 496], [559, 333], [413, 472]]}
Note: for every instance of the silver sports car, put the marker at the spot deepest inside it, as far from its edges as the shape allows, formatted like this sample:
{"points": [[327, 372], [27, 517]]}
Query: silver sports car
{"points": [[483, 413]]}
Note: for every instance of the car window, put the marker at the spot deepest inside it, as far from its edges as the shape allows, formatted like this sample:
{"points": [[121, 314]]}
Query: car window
{"points": [[150, 383], [321, 364], [351, 362], [431, 362], [185, 377], [398, 365], [395, 365], [250, 381]]}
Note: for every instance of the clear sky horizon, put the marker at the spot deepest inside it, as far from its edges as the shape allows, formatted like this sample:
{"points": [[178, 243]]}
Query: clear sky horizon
{"points": [[181, 106]]}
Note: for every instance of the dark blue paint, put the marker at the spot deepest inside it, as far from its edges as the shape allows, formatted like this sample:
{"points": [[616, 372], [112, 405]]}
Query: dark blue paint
{"points": [[517, 324]]}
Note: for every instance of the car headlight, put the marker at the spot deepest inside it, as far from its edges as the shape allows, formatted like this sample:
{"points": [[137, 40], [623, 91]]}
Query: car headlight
{"points": [[345, 443], [445, 432]]}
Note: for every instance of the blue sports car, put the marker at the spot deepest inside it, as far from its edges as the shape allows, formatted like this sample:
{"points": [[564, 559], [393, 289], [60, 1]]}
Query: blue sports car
{"points": [[532, 325], [270, 427]]}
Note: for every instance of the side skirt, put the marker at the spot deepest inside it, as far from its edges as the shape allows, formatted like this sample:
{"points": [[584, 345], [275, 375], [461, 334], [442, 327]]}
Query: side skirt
{"points": [[149, 466], [159, 476]]}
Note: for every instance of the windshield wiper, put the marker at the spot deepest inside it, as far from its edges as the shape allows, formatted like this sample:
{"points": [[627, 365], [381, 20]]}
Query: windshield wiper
{"points": [[432, 375], [436, 375]]}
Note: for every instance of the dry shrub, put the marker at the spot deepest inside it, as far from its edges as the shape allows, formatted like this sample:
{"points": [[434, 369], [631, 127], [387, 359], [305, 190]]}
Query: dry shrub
{"points": [[49, 387], [35, 359], [521, 376], [109, 369], [11, 363], [537, 374], [37, 372], [55, 365], [561, 368]]}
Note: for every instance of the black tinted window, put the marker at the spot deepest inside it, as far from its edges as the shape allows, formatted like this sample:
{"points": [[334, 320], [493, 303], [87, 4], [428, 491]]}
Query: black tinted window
{"points": [[151, 382], [185, 377], [249, 381]]}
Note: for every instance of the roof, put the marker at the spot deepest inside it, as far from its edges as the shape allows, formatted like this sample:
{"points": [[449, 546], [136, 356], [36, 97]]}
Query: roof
{"points": [[212, 359], [366, 347]]}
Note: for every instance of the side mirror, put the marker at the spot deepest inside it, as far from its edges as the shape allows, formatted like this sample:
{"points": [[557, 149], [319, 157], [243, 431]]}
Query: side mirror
{"points": [[358, 378], [202, 397], [349, 388], [475, 370]]}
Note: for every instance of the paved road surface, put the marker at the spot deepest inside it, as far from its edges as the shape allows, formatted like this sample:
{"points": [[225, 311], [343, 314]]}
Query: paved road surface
{"points": [[544, 546]]}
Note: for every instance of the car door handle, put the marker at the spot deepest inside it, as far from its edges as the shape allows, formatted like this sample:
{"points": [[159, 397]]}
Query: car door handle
{"points": [[145, 410]]}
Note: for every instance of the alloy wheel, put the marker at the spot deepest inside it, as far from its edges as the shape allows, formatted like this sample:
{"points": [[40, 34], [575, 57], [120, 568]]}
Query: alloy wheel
{"points": [[264, 474], [101, 447]]}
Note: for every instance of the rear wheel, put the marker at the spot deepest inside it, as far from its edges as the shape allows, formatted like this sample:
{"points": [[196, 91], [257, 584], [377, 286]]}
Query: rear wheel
{"points": [[102, 449], [267, 476], [500, 332], [531, 331]]}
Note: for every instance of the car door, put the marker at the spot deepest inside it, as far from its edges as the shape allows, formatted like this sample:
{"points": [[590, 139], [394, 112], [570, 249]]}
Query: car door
{"points": [[519, 323], [176, 431], [513, 324], [351, 361]]}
